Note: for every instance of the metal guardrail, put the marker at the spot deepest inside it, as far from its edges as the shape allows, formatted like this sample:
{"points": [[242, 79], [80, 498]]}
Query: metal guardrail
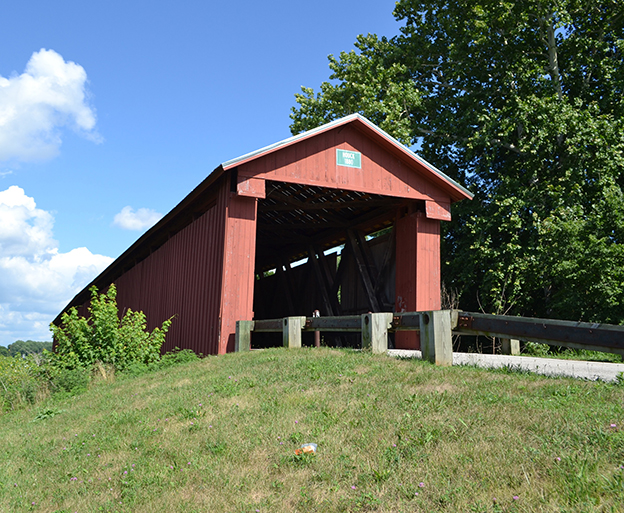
{"points": [[406, 321], [436, 328], [607, 338]]}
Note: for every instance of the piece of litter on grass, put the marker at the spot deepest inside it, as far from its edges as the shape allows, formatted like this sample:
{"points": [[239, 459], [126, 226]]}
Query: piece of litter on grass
{"points": [[306, 449]]}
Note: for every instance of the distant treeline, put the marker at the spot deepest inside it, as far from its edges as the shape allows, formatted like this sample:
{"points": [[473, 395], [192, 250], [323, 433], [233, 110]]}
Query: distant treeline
{"points": [[22, 347]]}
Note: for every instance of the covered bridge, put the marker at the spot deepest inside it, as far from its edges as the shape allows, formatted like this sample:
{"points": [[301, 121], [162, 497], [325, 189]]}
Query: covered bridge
{"points": [[224, 253]]}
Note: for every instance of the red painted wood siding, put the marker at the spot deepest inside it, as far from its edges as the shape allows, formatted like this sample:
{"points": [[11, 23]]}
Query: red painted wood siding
{"points": [[239, 254], [183, 278], [417, 270], [313, 162]]}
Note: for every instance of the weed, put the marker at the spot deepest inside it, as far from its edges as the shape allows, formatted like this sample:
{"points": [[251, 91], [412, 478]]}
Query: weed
{"points": [[47, 413]]}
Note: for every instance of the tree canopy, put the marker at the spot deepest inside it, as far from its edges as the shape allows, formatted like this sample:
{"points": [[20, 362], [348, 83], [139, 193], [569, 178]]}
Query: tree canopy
{"points": [[25, 347], [522, 102]]}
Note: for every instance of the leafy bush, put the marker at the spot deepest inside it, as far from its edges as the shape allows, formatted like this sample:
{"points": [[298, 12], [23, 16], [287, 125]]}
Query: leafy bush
{"points": [[177, 357], [70, 381], [536, 349], [103, 337], [20, 382]]}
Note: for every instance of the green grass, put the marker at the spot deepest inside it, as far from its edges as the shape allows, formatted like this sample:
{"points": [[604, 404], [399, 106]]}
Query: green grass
{"points": [[392, 435], [545, 351]]}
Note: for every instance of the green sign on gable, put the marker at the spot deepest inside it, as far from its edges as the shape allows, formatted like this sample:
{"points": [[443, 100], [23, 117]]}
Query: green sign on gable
{"points": [[349, 158]]}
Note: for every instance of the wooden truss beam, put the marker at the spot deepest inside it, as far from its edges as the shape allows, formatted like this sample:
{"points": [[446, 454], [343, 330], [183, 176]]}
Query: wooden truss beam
{"points": [[363, 270], [322, 283]]}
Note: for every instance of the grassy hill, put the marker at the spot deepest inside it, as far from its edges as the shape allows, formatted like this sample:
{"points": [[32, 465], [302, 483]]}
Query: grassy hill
{"points": [[392, 435]]}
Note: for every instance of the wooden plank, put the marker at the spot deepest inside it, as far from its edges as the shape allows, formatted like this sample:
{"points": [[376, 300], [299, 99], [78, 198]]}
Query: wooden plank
{"points": [[439, 210], [375, 331], [291, 334], [363, 271], [243, 335], [510, 346], [367, 202], [250, 187], [344, 323], [268, 326], [577, 335], [436, 338]]}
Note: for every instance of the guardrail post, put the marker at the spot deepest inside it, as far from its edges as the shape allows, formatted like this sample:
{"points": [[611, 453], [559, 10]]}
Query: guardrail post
{"points": [[435, 337], [510, 346], [243, 335], [291, 331], [375, 331], [317, 333]]}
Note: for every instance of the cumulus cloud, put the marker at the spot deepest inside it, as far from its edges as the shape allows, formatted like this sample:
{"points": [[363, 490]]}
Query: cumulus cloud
{"points": [[36, 280], [142, 219], [34, 106]]}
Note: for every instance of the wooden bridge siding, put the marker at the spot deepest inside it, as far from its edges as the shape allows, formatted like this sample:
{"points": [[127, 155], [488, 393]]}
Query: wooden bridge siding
{"points": [[417, 285], [239, 252], [183, 278], [314, 163]]}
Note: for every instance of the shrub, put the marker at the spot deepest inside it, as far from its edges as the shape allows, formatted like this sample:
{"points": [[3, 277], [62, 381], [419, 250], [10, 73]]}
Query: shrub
{"points": [[103, 337], [70, 381], [536, 349], [20, 382], [176, 357]]}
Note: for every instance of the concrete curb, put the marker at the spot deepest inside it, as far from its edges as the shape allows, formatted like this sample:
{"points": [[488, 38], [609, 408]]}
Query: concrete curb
{"points": [[546, 366]]}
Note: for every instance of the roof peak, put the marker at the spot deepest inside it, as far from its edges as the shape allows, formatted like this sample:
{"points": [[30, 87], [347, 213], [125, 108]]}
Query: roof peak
{"points": [[340, 122]]}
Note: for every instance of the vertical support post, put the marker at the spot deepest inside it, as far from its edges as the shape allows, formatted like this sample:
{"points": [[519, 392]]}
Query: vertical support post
{"points": [[436, 338], [510, 346], [237, 278], [417, 285], [375, 331], [317, 333], [243, 335], [291, 331]]}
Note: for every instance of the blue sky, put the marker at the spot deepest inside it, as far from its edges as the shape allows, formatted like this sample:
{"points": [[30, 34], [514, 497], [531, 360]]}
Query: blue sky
{"points": [[127, 108]]}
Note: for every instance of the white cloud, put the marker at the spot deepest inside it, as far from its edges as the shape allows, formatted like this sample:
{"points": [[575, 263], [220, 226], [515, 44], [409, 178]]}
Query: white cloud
{"points": [[36, 280], [143, 218], [34, 106]]}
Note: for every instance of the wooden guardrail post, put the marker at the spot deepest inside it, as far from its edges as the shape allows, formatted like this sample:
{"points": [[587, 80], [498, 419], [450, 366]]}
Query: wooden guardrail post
{"points": [[291, 331], [243, 335], [435, 337], [510, 346], [375, 331]]}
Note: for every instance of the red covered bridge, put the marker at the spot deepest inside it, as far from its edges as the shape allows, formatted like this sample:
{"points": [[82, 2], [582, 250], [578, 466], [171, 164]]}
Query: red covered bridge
{"points": [[209, 261]]}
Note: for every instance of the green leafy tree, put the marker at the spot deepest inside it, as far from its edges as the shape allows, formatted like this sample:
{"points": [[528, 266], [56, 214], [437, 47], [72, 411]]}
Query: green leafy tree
{"points": [[523, 102], [104, 337], [24, 347]]}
